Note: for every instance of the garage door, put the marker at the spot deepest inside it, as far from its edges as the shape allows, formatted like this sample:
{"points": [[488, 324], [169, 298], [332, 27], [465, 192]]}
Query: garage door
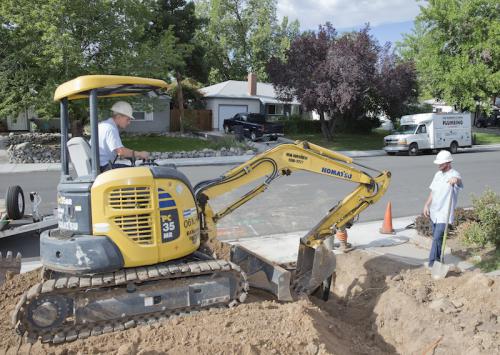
{"points": [[228, 111]]}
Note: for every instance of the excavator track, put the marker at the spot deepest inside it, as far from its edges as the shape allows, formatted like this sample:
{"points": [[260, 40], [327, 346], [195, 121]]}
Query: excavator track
{"points": [[67, 308]]}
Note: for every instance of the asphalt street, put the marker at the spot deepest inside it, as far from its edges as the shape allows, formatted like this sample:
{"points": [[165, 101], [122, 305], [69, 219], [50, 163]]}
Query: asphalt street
{"points": [[298, 202]]}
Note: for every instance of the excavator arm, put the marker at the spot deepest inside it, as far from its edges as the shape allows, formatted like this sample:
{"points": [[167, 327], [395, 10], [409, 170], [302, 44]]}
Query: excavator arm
{"points": [[315, 262]]}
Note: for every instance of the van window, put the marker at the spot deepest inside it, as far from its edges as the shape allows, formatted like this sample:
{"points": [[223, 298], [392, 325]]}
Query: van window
{"points": [[422, 129], [407, 129]]}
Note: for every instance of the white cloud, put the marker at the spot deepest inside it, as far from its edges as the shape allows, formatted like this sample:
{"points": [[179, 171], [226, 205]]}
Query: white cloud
{"points": [[347, 13]]}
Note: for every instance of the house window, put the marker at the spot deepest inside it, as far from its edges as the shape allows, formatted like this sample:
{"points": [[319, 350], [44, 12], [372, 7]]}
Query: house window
{"points": [[143, 116], [271, 109]]}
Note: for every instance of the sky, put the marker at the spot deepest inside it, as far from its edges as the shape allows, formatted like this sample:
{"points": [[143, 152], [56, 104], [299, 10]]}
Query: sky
{"points": [[388, 18]]}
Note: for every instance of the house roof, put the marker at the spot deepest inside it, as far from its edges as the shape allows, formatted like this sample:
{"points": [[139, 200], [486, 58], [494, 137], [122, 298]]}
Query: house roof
{"points": [[233, 89]]}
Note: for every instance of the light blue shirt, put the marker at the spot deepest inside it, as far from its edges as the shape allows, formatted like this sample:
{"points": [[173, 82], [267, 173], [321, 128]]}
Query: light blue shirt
{"points": [[441, 191], [109, 141]]}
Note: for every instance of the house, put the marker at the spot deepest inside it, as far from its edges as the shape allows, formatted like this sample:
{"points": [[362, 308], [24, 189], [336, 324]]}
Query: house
{"points": [[439, 106], [149, 119], [152, 116], [231, 97]]}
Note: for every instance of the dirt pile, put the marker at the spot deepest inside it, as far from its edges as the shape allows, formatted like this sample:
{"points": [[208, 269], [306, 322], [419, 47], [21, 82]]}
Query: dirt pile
{"points": [[403, 310], [377, 306]]}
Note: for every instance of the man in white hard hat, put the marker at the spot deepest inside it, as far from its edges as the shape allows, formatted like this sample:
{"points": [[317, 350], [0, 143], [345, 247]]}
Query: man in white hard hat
{"points": [[110, 143], [446, 183]]}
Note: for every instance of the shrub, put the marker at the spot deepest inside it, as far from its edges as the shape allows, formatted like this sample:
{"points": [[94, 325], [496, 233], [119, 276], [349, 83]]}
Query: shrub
{"points": [[486, 229], [299, 126], [423, 225]]}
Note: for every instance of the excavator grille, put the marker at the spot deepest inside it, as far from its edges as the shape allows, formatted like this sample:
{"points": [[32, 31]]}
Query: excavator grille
{"points": [[134, 197], [137, 227]]}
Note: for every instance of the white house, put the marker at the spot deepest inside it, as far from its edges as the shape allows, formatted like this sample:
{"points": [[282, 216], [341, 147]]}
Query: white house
{"points": [[439, 106], [231, 97]]}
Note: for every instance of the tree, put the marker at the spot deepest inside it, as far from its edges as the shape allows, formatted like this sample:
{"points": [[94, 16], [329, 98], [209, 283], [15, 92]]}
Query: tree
{"points": [[396, 84], [60, 40], [303, 71], [347, 79], [177, 17], [241, 36], [456, 48]]}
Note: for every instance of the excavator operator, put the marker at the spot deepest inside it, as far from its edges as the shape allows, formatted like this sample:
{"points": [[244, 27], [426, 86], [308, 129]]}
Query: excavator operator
{"points": [[110, 143]]}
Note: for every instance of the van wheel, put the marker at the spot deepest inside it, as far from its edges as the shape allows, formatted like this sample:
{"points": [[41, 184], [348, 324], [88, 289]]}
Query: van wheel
{"points": [[413, 150], [453, 147], [14, 201], [253, 136]]}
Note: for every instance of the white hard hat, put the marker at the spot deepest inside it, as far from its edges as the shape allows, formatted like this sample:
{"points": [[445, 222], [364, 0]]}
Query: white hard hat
{"points": [[122, 108], [442, 157]]}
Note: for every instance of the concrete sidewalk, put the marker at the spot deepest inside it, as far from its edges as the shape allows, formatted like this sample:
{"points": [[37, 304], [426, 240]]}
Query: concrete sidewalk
{"points": [[226, 160], [405, 245]]}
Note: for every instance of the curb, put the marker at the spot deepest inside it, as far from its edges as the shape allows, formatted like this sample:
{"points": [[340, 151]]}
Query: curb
{"points": [[227, 160]]}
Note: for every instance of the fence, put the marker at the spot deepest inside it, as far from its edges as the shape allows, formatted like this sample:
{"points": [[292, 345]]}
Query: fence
{"points": [[199, 120]]}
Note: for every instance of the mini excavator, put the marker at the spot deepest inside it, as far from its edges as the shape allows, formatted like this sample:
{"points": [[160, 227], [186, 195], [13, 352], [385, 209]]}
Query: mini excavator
{"points": [[127, 247]]}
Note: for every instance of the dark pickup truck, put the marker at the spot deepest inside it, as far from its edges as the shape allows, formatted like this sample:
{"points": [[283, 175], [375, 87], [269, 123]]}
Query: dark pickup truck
{"points": [[254, 126]]}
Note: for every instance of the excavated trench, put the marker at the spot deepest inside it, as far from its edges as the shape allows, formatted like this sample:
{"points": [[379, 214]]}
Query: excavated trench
{"points": [[377, 306]]}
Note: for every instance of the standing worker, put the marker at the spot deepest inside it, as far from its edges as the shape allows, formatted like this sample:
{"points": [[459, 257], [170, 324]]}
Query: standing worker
{"points": [[445, 182], [110, 143]]}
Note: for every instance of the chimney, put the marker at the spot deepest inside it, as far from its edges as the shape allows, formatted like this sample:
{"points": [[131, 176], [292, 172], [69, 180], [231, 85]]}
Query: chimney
{"points": [[252, 84]]}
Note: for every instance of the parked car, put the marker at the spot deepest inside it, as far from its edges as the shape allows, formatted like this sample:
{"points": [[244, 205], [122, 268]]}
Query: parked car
{"points": [[254, 126], [486, 121]]}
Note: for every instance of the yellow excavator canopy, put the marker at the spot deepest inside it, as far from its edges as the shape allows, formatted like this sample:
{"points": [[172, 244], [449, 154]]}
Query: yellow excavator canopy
{"points": [[107, 85]]}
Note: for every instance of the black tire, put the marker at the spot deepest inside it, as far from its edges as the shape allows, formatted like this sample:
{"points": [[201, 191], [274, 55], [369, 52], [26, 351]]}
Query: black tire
{"points": [[253, 136], [14, 201], [479, 124], [274, 138], [226, 129], [391, 153], [413, 150], [453, 147]]}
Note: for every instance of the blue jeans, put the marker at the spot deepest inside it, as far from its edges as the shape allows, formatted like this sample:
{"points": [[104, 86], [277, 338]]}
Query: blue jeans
{"points": [[437, 242]]}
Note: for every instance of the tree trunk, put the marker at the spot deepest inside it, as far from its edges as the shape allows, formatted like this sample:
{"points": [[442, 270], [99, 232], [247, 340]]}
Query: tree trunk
{"points": [[180, 101], [324, 126], [332, 125]]}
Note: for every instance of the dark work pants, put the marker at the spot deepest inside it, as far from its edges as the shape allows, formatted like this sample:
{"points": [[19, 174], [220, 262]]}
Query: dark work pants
{"points": [[437, 242]]}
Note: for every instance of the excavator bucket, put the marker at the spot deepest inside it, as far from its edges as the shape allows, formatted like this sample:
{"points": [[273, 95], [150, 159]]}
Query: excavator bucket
{"points": [[9, 266], [314, 266], [262, 273]]}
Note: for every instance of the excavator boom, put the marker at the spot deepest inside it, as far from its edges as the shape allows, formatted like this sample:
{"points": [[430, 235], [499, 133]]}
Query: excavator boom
{"points": [[316, 261]]}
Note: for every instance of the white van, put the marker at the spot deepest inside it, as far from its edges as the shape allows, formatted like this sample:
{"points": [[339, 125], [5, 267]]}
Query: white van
{"points": [[428, 131]]}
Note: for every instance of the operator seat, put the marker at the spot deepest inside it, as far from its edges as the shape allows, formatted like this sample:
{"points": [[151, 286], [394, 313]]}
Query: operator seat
{"points": [[79, 152]]}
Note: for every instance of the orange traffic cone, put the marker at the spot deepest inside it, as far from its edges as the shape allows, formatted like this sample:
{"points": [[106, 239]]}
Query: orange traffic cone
{"points": [[387, 226]]}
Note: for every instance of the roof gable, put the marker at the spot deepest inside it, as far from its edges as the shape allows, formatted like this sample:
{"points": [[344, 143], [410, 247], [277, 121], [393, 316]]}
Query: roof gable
{"points": [[239, 90]]}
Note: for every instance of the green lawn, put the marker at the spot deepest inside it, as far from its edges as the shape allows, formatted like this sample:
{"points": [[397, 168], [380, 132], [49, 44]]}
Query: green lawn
{"points": [[165, 144], [487, 138], [344, 141]]}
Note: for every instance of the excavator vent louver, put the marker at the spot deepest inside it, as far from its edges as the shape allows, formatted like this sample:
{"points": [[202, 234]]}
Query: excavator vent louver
{"points": [[137, 227], [136, 197]]}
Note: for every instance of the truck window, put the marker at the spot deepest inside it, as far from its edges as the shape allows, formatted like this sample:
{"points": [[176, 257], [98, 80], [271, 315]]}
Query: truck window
{"points": [[257, 118], [407, 129], [422, 129]]}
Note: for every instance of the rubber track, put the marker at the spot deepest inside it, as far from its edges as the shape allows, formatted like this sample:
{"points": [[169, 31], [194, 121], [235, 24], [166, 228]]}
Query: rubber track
{"points": [[74, 284]]}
